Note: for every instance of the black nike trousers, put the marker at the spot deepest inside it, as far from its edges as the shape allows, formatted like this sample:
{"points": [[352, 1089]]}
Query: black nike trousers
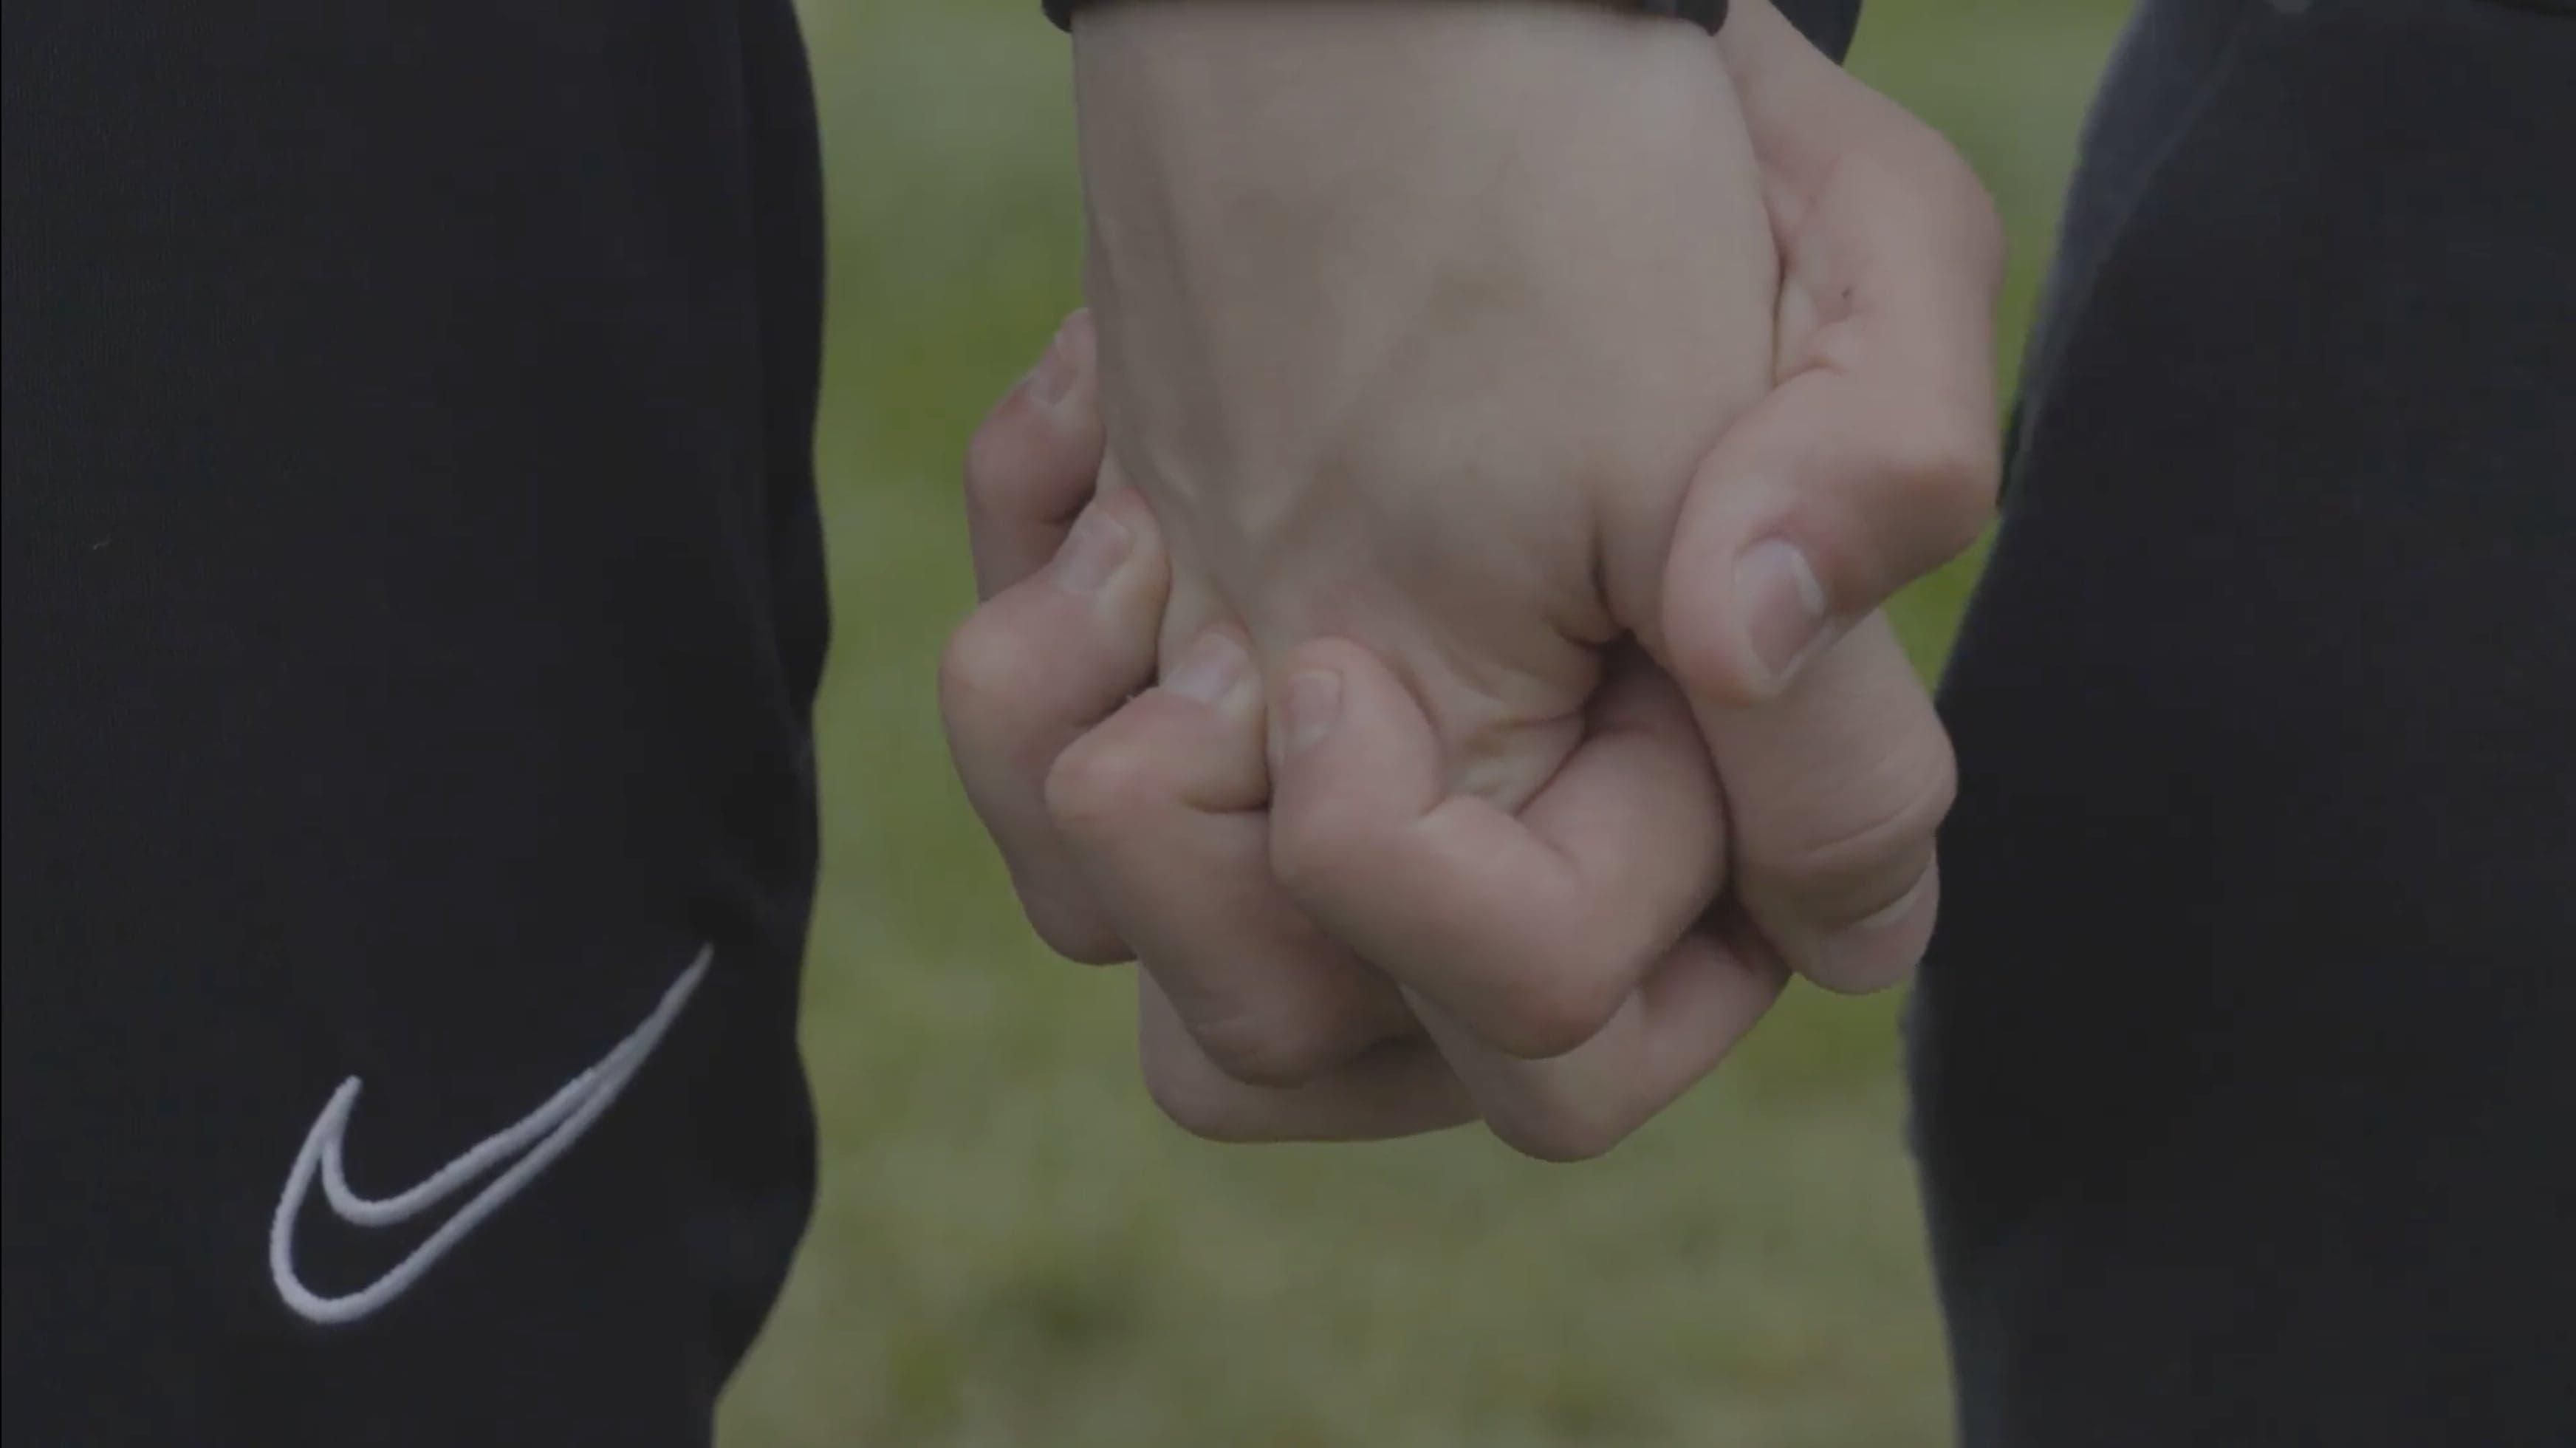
{"points": [[413, 606], [412, 612]]}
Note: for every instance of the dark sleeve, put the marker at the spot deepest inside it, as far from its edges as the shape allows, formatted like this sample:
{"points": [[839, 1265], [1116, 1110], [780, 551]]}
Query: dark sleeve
{"points": [[1828, 23]]}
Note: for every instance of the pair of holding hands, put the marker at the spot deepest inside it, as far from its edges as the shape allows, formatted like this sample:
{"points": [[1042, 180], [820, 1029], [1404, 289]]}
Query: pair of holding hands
{"points": [[1430, 598]]}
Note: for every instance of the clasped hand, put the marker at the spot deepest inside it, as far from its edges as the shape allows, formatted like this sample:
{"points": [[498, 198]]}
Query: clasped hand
{"points": [[1430, 596]]}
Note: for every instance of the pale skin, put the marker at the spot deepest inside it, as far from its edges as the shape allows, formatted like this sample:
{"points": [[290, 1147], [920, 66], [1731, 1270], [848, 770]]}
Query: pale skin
{"points": [[1451, 669]]}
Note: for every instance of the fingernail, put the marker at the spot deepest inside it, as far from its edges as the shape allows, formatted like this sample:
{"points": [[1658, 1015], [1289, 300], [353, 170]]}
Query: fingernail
{"points": [[1092, 551], [1053, 378], [1783, 606], [1895, 910], [1311, 707], [1858, 958], [1209, 669]]}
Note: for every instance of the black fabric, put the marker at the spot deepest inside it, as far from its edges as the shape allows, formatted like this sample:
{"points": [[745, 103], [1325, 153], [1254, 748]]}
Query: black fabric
{"points": [[1708, 15], [1829, 23], [413, 607], [2242, 1062]]}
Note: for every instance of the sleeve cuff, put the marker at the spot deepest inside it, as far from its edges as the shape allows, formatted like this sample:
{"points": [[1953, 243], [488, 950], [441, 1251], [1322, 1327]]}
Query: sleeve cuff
{"points": [[1828, 24]]}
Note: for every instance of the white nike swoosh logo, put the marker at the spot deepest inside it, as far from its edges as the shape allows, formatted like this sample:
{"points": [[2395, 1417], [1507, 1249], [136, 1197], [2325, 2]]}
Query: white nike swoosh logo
{"points": [[543, 1134]]}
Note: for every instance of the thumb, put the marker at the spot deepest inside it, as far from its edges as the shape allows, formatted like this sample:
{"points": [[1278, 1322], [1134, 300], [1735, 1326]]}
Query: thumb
{"points": [[1873, 460], [1828, 496]]}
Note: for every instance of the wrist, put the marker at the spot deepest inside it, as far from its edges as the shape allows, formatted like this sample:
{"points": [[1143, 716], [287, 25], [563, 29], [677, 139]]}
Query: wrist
{"points": [[1427, 263]]}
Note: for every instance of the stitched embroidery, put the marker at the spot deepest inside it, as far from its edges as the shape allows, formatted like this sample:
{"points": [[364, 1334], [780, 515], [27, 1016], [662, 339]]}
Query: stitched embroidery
{"points": [[543, 1134]]}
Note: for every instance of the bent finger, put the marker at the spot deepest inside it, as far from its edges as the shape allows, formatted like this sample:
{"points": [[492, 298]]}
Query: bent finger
{"points": [[1398, 1088], [1700, 999], [1835, 794], [1028, 674], [1033, 462], [1530, 929], [1162, 807]]}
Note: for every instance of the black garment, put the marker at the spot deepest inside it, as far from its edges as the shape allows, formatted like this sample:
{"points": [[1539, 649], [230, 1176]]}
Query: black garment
{"points": [[1826, 22], [2245, 1060], [413, 606]]}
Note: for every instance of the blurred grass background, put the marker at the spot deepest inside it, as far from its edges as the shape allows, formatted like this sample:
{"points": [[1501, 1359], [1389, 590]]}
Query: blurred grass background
{"points": [[1010, 1247]]}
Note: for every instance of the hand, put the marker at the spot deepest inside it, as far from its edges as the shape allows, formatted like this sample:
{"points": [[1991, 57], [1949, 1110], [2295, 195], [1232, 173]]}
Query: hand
{"points": [[1146, 812], [1812, 757], [1413, 319], [1336, 457], [1142, 812]]}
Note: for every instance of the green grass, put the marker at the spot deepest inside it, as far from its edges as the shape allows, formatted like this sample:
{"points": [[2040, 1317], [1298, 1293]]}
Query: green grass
{"points": [[1009, 1247]]}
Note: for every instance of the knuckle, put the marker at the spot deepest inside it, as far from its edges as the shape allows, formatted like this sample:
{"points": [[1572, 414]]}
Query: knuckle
{"points": [[1313, 854], [1100, 784], [983, 663], [1846, 862], [1989, 244], [995, 474], [1545, 1014], [1552, 1127], [1982, 237], [1195, 1101], [1955, 194], [1074, 930], [1949, 464], [1852, 962], [1270, 1047]]}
